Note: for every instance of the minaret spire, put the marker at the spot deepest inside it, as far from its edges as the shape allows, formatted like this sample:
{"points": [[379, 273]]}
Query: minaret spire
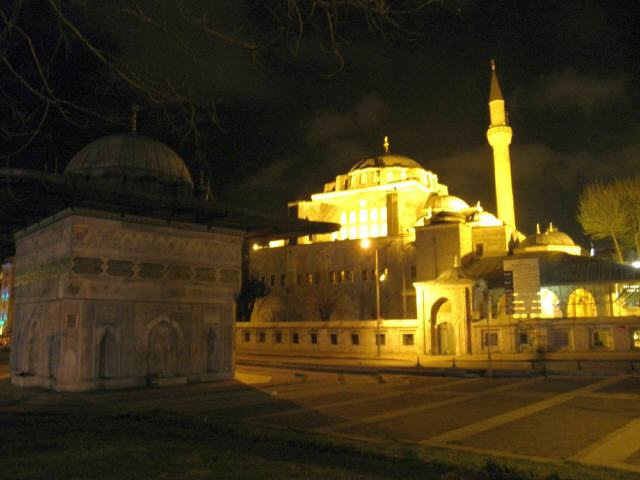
{"points": [[495, 93], [499, 136], [386, 144]]}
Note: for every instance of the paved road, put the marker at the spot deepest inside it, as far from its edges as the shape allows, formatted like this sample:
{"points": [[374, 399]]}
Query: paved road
{"points": [[591, 420]]}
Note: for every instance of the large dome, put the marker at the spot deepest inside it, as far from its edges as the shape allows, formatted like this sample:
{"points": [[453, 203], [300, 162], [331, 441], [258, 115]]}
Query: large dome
{"points": [[386, 161], [128, 159]]}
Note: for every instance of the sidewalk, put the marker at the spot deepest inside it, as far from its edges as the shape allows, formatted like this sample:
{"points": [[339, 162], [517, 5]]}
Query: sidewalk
{"points": [[442, 365]]}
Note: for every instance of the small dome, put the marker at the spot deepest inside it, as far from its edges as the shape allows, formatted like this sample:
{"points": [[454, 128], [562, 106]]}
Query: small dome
{"points": [[483, 218], [131, 159], [446, 203], [386, 161], [550, 237], [447, 217]]}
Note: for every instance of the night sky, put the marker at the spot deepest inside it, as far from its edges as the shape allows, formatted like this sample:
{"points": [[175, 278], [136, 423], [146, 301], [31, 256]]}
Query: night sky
{"points": [[289, 121]]}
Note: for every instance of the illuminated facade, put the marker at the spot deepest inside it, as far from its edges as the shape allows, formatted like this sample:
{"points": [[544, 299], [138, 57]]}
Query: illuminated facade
{"points": [[459, 281], [379, 197]]}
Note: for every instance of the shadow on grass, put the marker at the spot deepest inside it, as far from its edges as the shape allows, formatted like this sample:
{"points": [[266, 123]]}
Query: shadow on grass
{"points": [[160, 444]]}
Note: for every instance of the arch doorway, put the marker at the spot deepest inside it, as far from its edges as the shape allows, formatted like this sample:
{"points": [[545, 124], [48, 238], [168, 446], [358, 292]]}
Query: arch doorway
{"points": [[442, 331], [162, 357]]}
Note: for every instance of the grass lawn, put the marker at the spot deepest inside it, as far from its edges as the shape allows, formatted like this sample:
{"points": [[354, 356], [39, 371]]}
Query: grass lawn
{"points": [[163, 445]]}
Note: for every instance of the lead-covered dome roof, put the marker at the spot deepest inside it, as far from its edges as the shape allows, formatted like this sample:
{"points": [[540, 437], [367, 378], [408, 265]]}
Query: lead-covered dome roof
{"points": [[131, 160], [446, 203], [554, 237], [386, 161]]}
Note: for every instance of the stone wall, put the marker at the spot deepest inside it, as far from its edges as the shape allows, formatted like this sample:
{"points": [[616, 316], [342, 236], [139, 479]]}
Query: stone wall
{"points": [[331, 338], [107, 302]]}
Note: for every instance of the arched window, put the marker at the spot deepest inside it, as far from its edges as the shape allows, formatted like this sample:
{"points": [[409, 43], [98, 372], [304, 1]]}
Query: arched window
{"points": [[581, 304]]}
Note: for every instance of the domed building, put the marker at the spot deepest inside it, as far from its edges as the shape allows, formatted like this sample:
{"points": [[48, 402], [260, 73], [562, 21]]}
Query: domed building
{"points": [[552, 240], [438, 276], [131, 160], [379, 196], [129, 275]]}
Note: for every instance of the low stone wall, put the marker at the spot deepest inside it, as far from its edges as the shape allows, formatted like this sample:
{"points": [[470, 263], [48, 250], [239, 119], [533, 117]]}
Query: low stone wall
{"points": [[405, 338], [335, 337]]}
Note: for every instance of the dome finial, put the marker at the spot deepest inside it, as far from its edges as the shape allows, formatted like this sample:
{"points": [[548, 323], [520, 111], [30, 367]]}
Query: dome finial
{"points": [[134, 118], [386, 144], [493, 64], [537, 229]]}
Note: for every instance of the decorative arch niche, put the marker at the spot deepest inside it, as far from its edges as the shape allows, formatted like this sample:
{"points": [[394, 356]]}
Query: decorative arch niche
{"points": [[213, 350], [107, 355], [163, 350]]}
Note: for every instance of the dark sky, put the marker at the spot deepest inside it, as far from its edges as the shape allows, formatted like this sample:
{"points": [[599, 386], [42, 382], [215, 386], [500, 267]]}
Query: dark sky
{"points": [[569, 72]]}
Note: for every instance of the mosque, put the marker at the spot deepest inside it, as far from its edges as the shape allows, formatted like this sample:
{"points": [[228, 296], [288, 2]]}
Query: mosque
{"points": [[126, 272], [414, 270]]}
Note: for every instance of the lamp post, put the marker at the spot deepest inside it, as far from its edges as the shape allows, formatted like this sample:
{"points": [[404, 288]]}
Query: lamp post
{"points": [[365, 244]]}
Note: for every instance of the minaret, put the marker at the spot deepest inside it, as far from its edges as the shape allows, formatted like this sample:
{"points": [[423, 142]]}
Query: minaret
{"points": [[499, 135]]}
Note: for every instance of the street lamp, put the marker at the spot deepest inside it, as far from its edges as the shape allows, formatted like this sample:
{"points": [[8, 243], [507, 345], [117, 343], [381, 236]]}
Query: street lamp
{"points": [[366, 244]]}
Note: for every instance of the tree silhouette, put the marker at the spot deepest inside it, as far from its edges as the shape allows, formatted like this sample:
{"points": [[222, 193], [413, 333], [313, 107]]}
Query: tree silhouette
{"points": [[602, 213], [251, 290]]}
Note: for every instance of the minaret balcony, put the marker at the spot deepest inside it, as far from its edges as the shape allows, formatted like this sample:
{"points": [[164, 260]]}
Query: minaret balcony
{"points": [[499, 135]]}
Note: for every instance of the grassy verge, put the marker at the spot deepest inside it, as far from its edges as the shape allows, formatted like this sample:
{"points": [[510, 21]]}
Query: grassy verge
{"points": [[164, 445]]}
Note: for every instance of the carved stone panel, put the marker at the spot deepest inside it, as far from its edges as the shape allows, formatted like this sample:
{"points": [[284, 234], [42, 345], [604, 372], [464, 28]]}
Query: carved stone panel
{"points": [[120, 268], [178, 272], [150, 270], [87, 265], [206, 274], [229, 276]]}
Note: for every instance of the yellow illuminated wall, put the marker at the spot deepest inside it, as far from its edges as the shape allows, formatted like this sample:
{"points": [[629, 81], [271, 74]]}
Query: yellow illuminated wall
{"points": [[373, 201]]}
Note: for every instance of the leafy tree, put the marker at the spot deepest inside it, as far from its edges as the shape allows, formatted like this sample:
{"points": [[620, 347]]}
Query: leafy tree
{"points": [[630, 193], [602, 213]]}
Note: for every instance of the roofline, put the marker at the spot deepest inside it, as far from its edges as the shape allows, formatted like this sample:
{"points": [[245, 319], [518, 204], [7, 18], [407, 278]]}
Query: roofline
{"points": [[74, 192]]}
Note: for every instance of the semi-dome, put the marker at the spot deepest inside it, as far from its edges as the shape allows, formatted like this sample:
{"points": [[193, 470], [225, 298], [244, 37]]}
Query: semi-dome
{"points": [[386, 161], [128, 159], [446, 203]]}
